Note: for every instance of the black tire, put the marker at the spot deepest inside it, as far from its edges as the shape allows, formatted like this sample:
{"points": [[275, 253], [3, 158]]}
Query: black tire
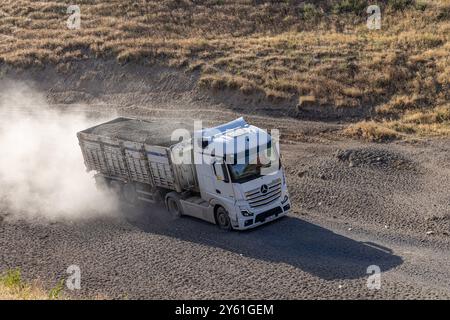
{"points": [[101, 183], [116, 188], [129, 193], [223, 219], [174, 206], [158, 197]]}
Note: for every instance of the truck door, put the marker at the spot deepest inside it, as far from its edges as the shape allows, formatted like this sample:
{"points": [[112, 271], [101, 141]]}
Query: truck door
{"points": [[222, 182]]}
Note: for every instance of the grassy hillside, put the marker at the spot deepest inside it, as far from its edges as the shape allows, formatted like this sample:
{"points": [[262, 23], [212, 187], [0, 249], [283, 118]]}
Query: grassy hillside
{"points": [[317, 53]]}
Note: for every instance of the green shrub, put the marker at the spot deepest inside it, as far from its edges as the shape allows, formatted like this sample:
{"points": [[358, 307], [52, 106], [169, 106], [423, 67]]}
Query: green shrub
{"points": [[11, 278], [55, 292]]}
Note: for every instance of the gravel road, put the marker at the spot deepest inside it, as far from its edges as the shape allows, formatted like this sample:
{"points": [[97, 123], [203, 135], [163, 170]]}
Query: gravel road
{"points": [[355, 205]]}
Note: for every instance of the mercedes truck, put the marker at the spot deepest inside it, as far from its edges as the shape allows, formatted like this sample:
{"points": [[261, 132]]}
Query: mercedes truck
{"points": [[230, 175]]}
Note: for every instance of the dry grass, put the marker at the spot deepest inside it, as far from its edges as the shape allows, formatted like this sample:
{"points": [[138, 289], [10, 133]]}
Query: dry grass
{"points": [[28, 293], [424, 122], [371, 131], [430, 122], [284, 50], [12, 287]]}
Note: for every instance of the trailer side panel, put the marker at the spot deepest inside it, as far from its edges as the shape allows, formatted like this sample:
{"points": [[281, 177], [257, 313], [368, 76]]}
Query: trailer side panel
{"points": [[160, 167], [138, 166], [107, 149]]}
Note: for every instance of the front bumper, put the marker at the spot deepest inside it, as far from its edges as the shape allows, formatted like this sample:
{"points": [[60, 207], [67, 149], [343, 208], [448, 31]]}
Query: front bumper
{"points": [[263, 217]]}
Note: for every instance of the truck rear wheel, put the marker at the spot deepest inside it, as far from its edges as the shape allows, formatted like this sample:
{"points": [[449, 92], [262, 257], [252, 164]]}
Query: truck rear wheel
{"points": [[223, 219], [174, 205], [129, 193]]}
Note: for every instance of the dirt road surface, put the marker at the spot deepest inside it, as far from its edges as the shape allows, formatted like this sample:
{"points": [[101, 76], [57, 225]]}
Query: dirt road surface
{"points": [[355, 205]]}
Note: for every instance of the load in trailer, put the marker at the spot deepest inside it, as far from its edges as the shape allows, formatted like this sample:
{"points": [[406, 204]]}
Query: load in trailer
{"points": [[230, 175]]}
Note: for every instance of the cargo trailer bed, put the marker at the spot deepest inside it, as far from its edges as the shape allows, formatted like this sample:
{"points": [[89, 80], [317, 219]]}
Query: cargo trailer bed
{"points": [[135, 150], [141, 131]]}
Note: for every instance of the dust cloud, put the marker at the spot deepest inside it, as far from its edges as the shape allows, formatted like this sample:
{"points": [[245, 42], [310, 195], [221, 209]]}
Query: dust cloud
{"points": [[42, 173]]}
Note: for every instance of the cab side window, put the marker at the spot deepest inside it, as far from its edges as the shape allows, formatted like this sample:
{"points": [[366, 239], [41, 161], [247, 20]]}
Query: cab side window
{"points": [[220, 171]]}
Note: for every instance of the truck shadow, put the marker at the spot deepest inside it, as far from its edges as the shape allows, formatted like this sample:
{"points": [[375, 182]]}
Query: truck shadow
{"points": [[290, 240]]}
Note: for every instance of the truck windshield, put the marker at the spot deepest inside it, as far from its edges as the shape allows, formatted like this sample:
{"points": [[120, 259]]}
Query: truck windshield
{"points": [[251, 167]]}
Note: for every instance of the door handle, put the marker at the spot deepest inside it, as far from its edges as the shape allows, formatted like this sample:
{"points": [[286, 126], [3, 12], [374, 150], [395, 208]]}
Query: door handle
{"points": [[218, 191]]}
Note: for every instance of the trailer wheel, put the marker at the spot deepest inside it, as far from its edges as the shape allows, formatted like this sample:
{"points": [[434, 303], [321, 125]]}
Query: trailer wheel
{"points": [[223, 219], [101, 183], [116, 188], [157, 196], [129, 193], [174, 205]]}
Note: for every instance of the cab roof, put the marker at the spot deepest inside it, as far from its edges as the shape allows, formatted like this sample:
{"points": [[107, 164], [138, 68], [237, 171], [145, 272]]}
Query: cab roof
{"points": [[234, 137]]}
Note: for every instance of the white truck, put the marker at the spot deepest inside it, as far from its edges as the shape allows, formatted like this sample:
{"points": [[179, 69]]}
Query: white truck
{"points": [[230, 175]]}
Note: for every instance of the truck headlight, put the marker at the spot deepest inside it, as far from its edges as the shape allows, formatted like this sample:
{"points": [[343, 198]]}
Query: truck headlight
{"points": [[245, 212]]}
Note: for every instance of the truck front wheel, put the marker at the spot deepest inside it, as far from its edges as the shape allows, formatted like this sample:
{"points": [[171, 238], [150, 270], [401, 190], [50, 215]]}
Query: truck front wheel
{"points": [[174, 205], [223, 219]]}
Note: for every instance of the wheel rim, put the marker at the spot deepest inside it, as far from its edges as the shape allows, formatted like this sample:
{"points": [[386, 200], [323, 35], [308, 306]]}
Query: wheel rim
{"points": [[222, 218]]}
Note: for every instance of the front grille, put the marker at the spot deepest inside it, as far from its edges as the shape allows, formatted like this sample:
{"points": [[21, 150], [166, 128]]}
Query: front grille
{"points": [[257, 199], [263, 216]]}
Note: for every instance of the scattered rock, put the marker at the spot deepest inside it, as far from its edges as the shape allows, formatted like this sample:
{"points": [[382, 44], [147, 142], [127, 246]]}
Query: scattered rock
{"points": [[374, 157], [43, 236], [429, 233], [301, 174]]}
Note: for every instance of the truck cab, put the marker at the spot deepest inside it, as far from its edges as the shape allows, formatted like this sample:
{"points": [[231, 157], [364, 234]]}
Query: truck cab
{"points": [[240, 175]]}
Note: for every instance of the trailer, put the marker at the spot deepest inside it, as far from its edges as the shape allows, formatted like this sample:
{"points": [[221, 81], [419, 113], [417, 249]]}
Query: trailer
{"points": [[135, 159]]}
